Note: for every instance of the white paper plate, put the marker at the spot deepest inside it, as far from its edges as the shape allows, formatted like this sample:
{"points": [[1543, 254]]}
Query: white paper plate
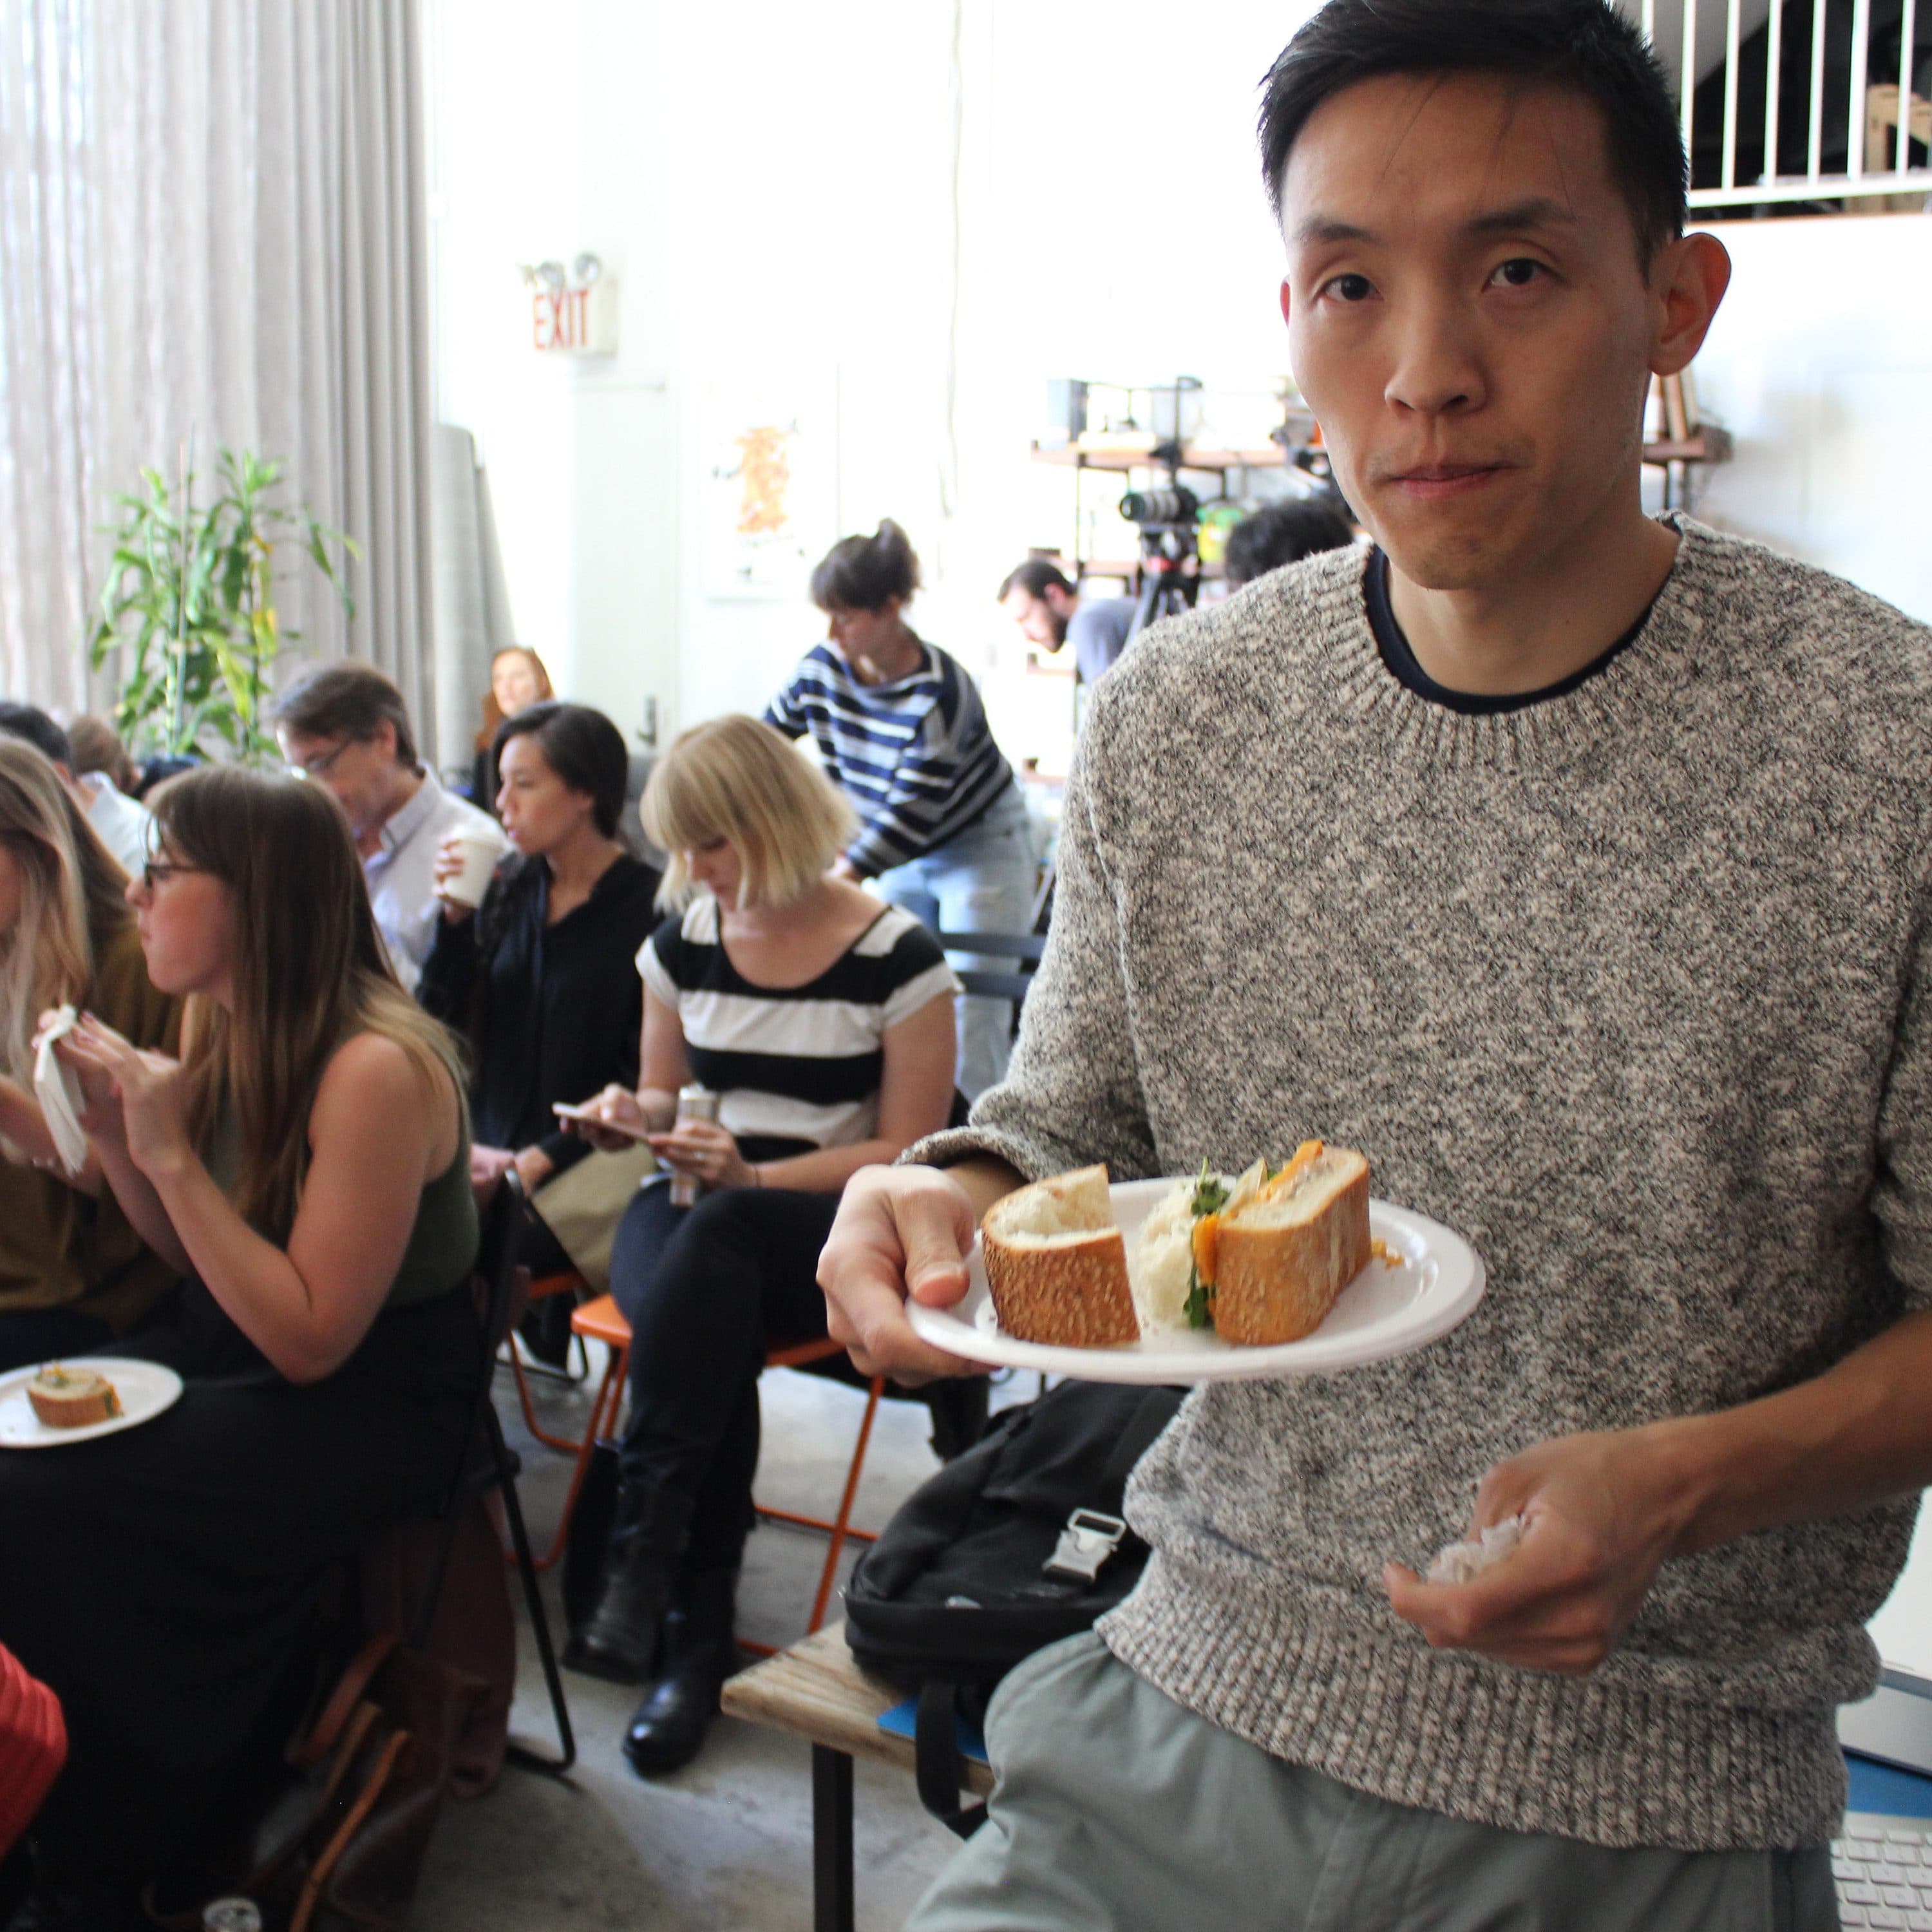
{"points": [[146, 1388], [1385, 1311]]}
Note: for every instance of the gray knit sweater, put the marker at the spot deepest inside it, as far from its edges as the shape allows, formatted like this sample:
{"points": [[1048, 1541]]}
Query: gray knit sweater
{"points": [[1628, 986]]}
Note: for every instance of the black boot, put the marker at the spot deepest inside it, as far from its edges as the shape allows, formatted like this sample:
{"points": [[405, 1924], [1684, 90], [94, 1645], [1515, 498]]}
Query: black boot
{"points": [[668, 1728], [618, 1640]]}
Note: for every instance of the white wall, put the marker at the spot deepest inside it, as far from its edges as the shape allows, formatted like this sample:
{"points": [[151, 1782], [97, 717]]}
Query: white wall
{"points": [[776, 187], [1820, 364]]}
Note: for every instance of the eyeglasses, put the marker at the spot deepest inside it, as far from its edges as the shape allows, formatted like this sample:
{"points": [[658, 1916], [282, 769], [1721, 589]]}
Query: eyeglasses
{"points": [[157, 870], [315, 768]]}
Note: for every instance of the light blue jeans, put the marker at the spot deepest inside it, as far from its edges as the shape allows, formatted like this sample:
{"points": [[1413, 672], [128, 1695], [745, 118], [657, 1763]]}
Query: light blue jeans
{"points": [[982, 881]]}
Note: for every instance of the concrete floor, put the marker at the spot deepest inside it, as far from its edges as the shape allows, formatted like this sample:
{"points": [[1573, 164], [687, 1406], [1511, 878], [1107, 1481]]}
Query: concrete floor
{"points": [[727, 1843]]}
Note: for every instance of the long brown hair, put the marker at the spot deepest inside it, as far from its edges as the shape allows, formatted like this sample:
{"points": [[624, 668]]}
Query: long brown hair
{"points": [[308, 971], [72, 899], [492, 711]]}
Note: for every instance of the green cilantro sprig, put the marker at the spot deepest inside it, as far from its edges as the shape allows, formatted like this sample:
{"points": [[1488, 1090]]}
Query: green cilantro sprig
{"points": [[1211, 1196]]}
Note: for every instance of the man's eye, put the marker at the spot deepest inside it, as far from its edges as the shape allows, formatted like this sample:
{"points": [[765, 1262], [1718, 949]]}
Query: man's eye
{"points": [[1350, 288], [1518, 272]]}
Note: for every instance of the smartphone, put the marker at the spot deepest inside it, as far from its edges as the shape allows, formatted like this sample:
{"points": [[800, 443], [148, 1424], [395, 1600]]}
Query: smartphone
{"points": [[565, 1111]]}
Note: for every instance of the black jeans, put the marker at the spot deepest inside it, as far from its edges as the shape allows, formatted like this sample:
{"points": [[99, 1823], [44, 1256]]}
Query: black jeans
{"points": [[28, 1335], [706, 1290], [162, 1580]]}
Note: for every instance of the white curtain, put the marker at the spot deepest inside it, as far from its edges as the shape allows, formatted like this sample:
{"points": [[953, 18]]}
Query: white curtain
{"points": [[212, 223]]}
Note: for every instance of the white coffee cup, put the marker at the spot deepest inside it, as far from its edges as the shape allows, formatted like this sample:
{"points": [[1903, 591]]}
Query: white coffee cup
{"points": [[479, 848]]}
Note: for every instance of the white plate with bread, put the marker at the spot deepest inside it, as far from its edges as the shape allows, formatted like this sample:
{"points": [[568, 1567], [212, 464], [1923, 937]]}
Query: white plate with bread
{"points": [[55, 1403], [1273, 1273]]}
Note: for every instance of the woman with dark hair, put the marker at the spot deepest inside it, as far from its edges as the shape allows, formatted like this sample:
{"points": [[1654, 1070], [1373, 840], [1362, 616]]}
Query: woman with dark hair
{"points": [[305, 1161], [900, 728], [540, 976], [74, 1274]]}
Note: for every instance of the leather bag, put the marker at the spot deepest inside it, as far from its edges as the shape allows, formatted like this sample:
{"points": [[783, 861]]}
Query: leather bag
{"points": [[376, 1764]]}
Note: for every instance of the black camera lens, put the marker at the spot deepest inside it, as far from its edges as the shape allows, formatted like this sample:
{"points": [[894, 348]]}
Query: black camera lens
{"points": [[1174, 504]]}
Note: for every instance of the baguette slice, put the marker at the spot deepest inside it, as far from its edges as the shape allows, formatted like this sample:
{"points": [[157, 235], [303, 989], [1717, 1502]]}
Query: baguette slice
{"points": [[64, 1398], [1057, 1265], [1281, 1260]]}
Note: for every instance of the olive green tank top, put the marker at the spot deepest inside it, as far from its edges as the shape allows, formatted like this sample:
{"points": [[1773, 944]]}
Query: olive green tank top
{"points": [[442, 1244]]}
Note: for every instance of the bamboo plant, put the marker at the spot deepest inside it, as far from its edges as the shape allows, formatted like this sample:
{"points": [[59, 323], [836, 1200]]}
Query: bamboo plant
{"points": [[190, 604]]}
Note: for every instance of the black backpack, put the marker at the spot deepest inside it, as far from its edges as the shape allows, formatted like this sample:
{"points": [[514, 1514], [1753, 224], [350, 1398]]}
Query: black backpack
{"points": [[1017, 1543]]}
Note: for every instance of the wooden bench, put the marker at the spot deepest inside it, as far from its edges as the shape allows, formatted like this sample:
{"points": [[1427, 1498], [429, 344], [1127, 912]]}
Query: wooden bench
{"points": [[816, 1690]]}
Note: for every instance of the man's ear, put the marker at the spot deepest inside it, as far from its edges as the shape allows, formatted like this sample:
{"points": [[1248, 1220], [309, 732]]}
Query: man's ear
{"points": [[1285, 298], [1690, 277]]}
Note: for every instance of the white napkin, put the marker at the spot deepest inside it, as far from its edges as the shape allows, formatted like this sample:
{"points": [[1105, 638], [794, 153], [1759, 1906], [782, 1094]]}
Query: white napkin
{"points": [[58, 1092], [1464, 1562]]}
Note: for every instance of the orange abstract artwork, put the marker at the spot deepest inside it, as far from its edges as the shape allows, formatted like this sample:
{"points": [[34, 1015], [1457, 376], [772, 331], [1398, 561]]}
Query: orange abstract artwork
{"points": [[765, 475]]}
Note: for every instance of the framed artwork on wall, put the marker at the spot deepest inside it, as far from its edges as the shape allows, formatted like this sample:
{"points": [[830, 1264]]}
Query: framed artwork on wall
{"points": [[769, 472]]}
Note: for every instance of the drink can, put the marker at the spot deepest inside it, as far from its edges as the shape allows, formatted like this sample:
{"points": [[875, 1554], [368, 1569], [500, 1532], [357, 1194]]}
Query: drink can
{"points": [[231, 1914], [694, 1102]]}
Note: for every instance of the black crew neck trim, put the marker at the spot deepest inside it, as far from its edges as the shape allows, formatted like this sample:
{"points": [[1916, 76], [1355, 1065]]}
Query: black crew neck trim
{"points": [[1403, 665]]}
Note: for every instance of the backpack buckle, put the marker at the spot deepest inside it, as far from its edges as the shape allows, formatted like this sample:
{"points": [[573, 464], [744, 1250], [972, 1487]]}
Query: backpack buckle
{"points": [[1089, 1539]]}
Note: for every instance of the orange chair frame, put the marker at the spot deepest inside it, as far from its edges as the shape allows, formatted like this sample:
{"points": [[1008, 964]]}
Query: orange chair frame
{"points": [[542, 1290], [603, 1321]]}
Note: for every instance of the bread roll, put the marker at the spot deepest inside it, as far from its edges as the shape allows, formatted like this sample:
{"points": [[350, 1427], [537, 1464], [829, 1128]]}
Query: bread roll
{"points": [[1282, 1259], [64, 1398], [1056, 1265]]}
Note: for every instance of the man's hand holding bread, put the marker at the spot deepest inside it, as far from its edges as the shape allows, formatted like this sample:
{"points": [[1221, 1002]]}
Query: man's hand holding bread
{"points": [[902, 1232]]}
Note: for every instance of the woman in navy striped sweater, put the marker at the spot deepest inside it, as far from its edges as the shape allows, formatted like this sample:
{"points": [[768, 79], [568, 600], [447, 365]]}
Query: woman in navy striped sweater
{"points": [[824, 1021], [900, 729]]}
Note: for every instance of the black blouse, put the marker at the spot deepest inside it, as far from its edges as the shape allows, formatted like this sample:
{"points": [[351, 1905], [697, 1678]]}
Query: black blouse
{"points": [[551, 1012]]}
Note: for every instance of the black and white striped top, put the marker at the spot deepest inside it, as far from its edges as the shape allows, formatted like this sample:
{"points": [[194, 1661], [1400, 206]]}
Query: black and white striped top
{"points": [[795, 1066], [916, 756]]}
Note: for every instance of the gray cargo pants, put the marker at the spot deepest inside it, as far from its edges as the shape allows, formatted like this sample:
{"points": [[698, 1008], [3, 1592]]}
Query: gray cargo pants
{"points": [[1118, 1810]]}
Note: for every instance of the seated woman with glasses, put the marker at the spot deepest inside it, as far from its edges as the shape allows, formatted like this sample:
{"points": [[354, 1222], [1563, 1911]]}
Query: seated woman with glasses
{"points": [[540, 977], [74, 1274], [305, 1162], [823, 1019]]}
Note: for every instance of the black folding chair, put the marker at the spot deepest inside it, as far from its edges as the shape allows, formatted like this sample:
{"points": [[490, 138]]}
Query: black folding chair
{"points": [[1023, 948], [488, 1461]]}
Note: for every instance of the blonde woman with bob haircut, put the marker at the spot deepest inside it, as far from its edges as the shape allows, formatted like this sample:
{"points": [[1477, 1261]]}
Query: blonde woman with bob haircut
{"points": [[306, 1162], [823, 1021], [74, 1274], [788, 822]]}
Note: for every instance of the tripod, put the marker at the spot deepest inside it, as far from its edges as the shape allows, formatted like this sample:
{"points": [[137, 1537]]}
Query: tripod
{"points": [[1166, 588]]}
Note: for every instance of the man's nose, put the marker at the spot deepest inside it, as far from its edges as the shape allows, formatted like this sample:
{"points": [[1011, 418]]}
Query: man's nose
{"points": [[1437, 369]]}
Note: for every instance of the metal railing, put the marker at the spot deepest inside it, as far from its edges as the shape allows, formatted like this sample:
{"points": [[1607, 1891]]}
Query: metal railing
{"points": [[1851, 136]]}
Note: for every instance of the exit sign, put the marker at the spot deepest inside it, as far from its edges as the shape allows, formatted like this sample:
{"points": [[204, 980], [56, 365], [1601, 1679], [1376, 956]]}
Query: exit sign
{"points": [[575, 322]]}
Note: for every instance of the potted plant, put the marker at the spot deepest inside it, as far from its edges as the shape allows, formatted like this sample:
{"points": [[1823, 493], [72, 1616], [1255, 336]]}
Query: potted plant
{"points": [[190, 604]]}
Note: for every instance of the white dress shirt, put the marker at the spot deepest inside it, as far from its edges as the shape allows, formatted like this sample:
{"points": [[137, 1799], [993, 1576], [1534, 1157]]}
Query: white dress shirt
{"points": [[399, 873], [126, 825]]}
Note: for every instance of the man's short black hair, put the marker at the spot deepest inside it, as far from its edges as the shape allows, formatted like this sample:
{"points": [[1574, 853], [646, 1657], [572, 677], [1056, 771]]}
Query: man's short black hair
{"points": [[1585, 46], [30, 722], [348, 701], [1036, 576], [1285, 532]]}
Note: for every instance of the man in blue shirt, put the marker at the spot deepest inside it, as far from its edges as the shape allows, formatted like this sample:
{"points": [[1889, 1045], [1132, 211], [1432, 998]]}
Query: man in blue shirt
{"points": [[1041, 599]]}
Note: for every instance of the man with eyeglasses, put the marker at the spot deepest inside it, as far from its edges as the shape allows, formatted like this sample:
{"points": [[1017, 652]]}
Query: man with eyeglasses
{"points": [[346, 727]]}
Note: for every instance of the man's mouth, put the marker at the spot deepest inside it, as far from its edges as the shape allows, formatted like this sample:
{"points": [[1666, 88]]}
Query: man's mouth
{"points": [[1432, 480]]}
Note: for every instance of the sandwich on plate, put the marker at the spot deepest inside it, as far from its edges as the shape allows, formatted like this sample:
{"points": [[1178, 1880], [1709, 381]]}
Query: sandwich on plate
{"points": [[1261, 1258]]}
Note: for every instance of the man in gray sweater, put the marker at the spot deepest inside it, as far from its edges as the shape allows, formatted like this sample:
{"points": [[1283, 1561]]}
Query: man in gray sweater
{"points": [[1577, 867]]}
